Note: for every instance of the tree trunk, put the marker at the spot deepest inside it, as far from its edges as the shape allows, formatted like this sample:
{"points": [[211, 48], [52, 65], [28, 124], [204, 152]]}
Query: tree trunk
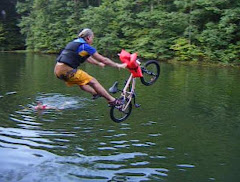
{"points": [[151, 6]]}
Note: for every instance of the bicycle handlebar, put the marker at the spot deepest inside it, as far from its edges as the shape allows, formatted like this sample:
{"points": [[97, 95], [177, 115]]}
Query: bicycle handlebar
{"points": [[133, 64]]}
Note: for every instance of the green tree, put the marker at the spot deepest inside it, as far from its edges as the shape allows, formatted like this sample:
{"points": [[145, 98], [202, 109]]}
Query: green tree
{"points": [[2, 37], [185, 51], [102, 20], [160, 29], [49, 25], [10, 33]]}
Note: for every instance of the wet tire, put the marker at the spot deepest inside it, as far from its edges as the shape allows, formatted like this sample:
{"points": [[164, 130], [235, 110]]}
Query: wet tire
{"points": [[117, 115], [151, 72]]}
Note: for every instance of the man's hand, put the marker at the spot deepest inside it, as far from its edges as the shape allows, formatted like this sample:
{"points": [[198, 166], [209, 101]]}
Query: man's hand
{"points": [[124, 65], [102, 65]]}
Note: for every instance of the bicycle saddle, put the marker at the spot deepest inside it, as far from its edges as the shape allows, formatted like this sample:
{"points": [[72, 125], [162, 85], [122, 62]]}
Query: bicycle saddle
{"points": [[114, 89]]}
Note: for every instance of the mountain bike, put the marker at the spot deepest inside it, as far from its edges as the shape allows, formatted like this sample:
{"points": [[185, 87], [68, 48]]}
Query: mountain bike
{"points": [[148, 74]]}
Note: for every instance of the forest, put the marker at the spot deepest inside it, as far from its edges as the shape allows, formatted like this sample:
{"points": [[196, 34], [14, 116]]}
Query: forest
{"points": [[183, 30]]}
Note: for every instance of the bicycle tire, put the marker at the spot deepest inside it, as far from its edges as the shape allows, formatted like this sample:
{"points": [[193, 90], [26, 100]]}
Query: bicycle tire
{"points": [[117, 115], [151, 72]]}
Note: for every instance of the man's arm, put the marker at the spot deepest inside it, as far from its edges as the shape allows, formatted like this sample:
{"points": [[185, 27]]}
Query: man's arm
{"points": [[93, 61], [107, 61]]}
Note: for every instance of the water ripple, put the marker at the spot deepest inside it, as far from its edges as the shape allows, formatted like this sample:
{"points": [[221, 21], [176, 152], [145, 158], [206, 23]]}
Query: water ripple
{"points": [[19, 132], [185, 165], [22, 141], [15, 118]]}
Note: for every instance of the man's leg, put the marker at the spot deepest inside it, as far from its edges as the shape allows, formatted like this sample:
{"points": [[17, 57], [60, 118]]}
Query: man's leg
{"points": [[88, 89], [99, 89]]}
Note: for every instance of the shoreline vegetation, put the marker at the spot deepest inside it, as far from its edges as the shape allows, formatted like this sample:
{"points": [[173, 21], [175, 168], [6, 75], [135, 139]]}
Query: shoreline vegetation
{"points": [[170, 61], [201, 31]]}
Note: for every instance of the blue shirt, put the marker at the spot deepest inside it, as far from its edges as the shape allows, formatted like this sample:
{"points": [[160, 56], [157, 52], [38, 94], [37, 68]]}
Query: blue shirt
{"points": [[84, 50]]}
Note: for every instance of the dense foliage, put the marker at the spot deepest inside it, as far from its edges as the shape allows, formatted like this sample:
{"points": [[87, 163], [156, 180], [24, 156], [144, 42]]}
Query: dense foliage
{"points": [[186, 30], [10, 37]]}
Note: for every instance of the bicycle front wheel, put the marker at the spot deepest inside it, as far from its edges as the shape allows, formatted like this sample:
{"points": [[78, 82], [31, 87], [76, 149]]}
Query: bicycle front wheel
{"points": [[151, 72], [120, 113]]}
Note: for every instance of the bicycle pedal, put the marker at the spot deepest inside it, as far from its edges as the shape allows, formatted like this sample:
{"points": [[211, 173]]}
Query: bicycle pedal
{"points": [[137, 105]]}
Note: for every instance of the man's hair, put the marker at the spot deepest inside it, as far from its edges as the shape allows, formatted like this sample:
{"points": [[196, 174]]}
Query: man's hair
{"points": [[85, 33]]}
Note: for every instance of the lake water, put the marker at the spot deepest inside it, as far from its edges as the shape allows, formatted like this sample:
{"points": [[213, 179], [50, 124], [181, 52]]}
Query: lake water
{"points": [[186, 130]]}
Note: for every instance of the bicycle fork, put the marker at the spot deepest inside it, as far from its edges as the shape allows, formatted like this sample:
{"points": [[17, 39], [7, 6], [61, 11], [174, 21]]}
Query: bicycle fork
{"points": [[131, 88]]}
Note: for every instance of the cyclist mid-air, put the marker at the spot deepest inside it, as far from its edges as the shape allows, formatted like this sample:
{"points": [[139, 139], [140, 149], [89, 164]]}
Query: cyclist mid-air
{"points": [[77, 52]]}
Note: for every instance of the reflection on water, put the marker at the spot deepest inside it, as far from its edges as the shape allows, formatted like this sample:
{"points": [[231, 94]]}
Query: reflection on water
{"points": [[32, 151], [187, 128], [26, 150]]}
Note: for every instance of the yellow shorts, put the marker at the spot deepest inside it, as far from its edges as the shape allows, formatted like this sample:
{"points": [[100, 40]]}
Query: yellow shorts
{"points": [[79, 78]]}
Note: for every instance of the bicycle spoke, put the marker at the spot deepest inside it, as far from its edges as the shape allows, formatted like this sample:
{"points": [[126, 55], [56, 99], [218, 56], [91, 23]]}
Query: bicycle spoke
{"points": [[151, 72], [118, 115]]}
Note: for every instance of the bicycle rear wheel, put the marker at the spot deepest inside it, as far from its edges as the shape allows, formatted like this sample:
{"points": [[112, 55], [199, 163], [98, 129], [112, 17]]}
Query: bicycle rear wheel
{"points": [[118, 115], [151, 72]]}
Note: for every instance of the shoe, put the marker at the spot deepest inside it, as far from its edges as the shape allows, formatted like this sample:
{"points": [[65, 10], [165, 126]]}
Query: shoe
{"points": [[116, 102], [96, 96]]}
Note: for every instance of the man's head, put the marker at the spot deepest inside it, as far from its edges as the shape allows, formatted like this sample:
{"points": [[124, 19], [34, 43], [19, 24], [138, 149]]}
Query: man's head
{"points": [[39, 103], [87, 35]]}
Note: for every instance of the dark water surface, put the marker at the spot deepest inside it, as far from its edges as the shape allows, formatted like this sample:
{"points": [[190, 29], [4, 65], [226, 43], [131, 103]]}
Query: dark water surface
{"points": [[187, 129]]}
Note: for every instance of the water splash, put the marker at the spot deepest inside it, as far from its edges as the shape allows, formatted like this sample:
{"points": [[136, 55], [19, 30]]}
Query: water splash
{"points": [[60, 101]]}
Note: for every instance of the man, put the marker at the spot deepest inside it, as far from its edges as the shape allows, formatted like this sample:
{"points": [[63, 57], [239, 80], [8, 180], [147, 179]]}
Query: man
{"points": [[41, 106], [77, 52]]}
